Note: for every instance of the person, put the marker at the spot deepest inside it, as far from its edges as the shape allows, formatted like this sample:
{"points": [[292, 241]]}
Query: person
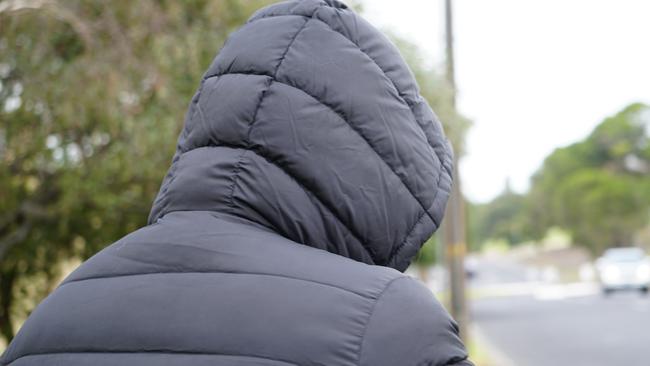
{"points": [[308, 174]]}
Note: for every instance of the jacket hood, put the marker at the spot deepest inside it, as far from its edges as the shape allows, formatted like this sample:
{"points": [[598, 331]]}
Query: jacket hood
{"points": [[309, 123]]}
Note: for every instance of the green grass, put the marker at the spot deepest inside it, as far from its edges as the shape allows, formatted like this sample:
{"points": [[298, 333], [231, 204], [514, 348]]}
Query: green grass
{"points": [[478, 354]]}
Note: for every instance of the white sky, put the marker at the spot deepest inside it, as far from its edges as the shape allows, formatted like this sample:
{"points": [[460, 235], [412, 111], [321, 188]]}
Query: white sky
{"points": [[533, 75]]}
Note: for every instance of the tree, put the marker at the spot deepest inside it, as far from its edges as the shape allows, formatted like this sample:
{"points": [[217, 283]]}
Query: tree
{"points": [[597, 189], [602, 209], [504, 218]]}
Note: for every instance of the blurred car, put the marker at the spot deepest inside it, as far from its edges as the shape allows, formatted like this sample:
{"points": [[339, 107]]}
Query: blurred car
{"points": [[471, 267], [624, 268]]}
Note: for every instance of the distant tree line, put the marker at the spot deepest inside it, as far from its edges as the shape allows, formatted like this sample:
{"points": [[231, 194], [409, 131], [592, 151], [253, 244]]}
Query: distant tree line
{"points": [[597, 189]]}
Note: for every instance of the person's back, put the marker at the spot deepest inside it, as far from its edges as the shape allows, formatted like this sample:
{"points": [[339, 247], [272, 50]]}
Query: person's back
{"points": [[308, 174]]}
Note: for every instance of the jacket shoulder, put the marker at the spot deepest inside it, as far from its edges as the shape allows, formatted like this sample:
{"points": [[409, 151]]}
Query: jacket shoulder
{"points": [[408, 326], [191, 242]]}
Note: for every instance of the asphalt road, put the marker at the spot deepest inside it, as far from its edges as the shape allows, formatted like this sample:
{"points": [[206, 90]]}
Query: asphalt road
{"points": [[572, 330]]}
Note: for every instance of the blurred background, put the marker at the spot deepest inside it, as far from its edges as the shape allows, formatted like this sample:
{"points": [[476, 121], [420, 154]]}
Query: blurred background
{"points": [[542, 256]]}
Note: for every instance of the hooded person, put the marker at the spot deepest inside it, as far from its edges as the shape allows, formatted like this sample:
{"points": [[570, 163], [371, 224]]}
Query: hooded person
{"points": [[307, 176]]}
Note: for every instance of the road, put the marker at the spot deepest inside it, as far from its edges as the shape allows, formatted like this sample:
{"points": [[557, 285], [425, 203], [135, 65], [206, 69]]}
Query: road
{"points": [[580, 328]]}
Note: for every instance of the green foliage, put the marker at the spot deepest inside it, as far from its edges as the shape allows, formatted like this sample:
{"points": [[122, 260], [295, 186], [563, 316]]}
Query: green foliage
{"points": [[504, 218], [428, 254], [597, 189], [602, 209], [91, 94]]}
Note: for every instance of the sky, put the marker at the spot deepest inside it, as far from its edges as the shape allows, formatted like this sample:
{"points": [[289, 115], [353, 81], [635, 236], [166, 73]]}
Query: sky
{"points": [[532, 75]]}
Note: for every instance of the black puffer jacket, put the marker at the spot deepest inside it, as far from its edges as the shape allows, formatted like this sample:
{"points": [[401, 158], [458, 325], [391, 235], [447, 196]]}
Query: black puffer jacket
{"points": [[308, 174]]}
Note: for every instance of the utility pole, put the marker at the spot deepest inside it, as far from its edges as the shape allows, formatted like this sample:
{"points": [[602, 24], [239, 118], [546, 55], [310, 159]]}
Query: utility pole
{"points": [[454, 228]]}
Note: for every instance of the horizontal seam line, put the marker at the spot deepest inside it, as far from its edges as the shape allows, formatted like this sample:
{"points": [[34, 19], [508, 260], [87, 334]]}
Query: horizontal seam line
{"points": [[457, 361], [216, 273], [188, 353]]}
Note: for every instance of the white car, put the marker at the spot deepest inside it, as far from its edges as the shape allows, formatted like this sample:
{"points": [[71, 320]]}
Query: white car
{"points": [[624, 268]]}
